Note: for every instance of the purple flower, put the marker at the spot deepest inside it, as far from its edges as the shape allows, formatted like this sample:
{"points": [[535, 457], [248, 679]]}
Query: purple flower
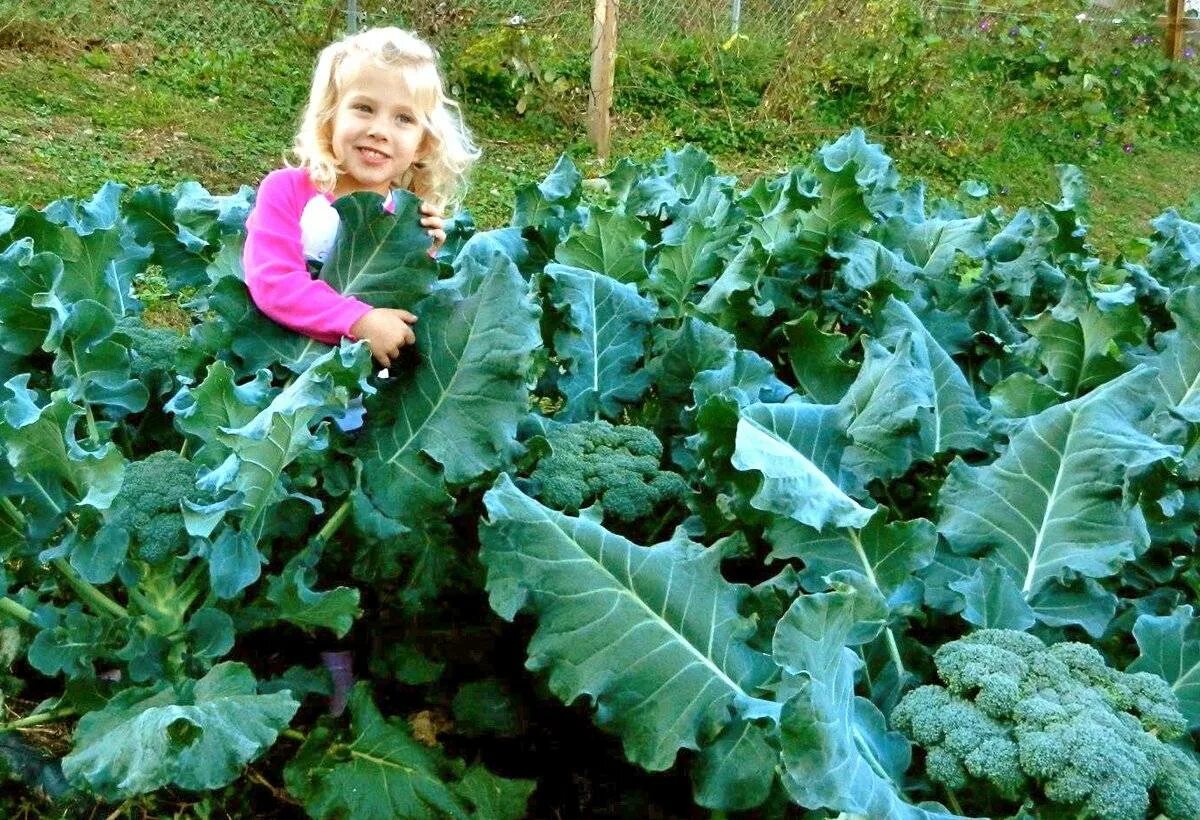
{"points": [[1116, 72], [1189, 53], [1014, 31], [1143, 40], [1127, 148], [986, 24]]}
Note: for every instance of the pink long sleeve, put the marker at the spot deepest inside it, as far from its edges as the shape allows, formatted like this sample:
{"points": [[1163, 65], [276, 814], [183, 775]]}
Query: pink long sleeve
{"points": [[276, 273]]}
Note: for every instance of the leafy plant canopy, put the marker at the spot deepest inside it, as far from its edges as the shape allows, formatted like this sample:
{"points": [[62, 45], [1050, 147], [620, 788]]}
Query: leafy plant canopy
{"points": [[753, 471]]}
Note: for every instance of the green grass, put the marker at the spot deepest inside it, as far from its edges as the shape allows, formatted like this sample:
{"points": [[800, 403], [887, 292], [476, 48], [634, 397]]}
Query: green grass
{"points": [[163, 93]]}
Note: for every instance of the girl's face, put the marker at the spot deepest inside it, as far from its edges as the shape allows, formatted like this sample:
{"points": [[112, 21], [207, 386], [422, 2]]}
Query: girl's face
{"points": [[376, 133]]}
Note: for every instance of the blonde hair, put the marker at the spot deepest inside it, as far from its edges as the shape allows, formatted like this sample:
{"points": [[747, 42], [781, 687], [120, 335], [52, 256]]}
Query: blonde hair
{"points": [[439, 173]]}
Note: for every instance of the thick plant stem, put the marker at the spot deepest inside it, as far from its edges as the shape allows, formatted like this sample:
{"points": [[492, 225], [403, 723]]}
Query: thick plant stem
{"points": [[97, 600], [292, 734], [953, 801], [889, 636], [335, 521], [39, 718], [17, 516], [12, 609]]}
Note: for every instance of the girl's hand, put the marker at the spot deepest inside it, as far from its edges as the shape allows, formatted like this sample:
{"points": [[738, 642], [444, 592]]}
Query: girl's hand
{"points": [[431, 220], [385, 331]]}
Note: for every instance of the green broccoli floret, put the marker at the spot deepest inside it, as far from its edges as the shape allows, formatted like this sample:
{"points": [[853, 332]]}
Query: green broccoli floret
{"points": [[1013, 710], [616, 465], [153, 353], [147, 507]]}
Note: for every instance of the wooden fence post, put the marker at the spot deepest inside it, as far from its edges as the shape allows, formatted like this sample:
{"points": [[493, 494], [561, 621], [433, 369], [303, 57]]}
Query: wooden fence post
{"points": [[604, 53], [1173, 39]]}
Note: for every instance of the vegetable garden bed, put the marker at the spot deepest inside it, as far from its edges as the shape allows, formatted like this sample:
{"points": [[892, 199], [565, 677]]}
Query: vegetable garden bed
{"points": [[736, 462]]}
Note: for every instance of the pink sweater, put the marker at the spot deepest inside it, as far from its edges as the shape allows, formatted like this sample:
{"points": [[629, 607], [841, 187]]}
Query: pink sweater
{"points": [[288, 219]]}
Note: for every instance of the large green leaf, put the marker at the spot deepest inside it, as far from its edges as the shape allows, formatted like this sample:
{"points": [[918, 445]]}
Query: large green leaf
{"points": [[43, 450], [600, 342], [797, 448], [609, 242], [1053, 501], [454, 416], [837, 753], [23, 273], [1170, 647], [1178, 362], [887, 553], [891, 406], [652, 634], [196, 735], [955, 424], [382, 773]]}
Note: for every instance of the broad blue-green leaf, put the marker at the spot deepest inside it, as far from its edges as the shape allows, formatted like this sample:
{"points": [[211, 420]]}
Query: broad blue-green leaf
{"points": [[816, 359], [888, 554], [679, 269], [1170, 646], [1083, 601], [1174, 257], [857, 180], [1016, 256], [736, 771], [260, 449], [830, 744], [609, 242], [218, 403], [890, 404], [197, 735], [679, 667], [600, 342], [382, 773], [993, 599], [495, 798], [933, 241], [68, 641], [151, 214], [42, 448], [234, 563], [550, 206], [1178, 362], [454, 416], [683, 353], [1053, 501], [798, 449], [23, 273], [298, 603], [865, 263], [1082, 351], [955, 424], [749, 378]]}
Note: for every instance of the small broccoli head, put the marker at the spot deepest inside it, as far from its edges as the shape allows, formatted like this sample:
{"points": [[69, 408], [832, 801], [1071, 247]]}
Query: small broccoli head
{"points": [[1014, 710], [148, 505], [153, 353], [615, 465]]}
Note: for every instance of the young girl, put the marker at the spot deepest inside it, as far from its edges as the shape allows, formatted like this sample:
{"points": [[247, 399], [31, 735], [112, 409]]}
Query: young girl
{"points": [[377, 118]]}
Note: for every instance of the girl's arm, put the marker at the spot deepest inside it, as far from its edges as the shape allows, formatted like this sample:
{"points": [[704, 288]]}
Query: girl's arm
{"points": [[275, 269]]}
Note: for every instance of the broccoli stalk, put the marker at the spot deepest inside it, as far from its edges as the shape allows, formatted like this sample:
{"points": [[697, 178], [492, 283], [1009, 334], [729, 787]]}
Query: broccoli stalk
{"points": [[1014, 712], [616, 466]]}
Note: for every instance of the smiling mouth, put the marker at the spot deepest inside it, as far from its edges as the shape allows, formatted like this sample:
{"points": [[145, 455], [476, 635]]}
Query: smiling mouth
{"points": [[373, 154]]}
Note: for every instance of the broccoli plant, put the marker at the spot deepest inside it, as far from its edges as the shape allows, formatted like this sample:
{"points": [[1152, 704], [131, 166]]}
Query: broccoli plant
{"points": [[1015, 714], [616, 466]]}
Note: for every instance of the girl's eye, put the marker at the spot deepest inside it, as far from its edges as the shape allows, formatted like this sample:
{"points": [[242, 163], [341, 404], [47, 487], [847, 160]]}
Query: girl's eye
{"points": [[362, 106], [407, 119]]}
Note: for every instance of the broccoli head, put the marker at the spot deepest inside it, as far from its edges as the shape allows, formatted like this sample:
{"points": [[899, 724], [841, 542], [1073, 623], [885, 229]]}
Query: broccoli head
{"points": [[616, 465], [154, 353], [147, 507], [1013, 711]]}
